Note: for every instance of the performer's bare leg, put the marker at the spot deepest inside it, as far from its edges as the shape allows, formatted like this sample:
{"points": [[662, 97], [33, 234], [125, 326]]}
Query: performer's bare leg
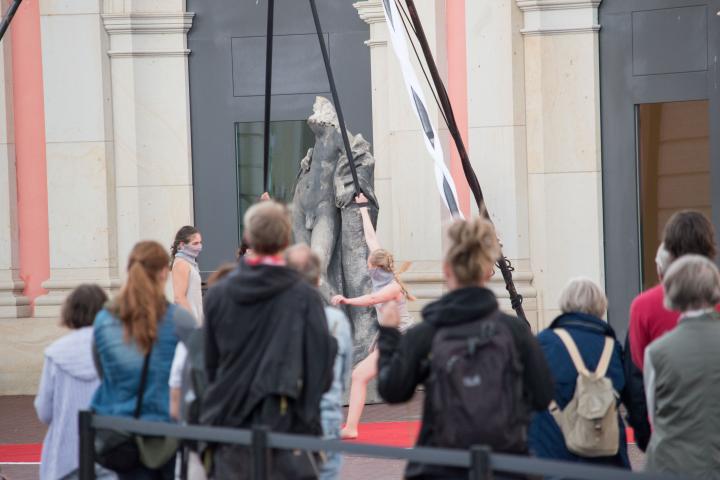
{"points": [[364, 372]]}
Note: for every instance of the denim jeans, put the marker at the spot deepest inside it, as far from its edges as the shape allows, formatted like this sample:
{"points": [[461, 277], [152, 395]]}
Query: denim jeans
{"points": [[331, 468]]}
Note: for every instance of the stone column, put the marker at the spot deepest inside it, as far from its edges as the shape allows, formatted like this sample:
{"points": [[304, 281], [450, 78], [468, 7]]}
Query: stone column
{"points": [[79, 150], [497, 131], [563, 145], [411, 212], [12, 302], [151, 119], [22, 339]]}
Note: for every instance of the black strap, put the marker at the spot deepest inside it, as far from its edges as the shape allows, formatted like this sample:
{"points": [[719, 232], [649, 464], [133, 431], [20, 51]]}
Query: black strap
{"points": [[143, 382]]}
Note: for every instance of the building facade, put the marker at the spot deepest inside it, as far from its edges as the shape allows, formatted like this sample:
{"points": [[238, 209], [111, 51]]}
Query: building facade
{"points": [[588, 123]]}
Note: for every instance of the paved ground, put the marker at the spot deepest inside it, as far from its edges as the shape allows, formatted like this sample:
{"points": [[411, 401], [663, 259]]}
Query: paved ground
{"points": [[18, 424]]}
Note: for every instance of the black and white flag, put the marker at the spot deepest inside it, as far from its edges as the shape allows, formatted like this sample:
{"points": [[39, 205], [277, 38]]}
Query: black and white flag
{"points": [[444, 180]]}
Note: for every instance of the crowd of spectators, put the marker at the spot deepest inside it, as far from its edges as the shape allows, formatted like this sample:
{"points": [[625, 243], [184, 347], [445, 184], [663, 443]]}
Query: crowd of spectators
{"points": [[263, 347]]}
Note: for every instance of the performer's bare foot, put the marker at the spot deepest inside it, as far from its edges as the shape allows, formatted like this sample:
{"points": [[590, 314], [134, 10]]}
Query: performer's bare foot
{"points": [[348, 434]]}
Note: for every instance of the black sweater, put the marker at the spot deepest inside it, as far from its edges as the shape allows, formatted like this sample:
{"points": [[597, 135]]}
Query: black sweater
{"points": [[405, 361]]}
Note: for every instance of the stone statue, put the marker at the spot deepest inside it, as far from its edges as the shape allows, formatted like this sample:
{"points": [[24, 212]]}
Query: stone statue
{"points": [[325, 218]]}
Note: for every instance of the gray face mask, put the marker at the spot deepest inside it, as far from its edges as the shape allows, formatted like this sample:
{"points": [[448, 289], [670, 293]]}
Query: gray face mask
{"points": [[191, 251], [378, 275]]}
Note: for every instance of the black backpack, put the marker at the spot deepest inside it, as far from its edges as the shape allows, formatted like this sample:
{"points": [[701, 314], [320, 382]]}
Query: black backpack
{"points": [[476, 384]]}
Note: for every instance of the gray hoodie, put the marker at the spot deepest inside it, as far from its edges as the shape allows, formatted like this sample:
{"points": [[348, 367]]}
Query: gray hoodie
{"points": [[67, 384]]}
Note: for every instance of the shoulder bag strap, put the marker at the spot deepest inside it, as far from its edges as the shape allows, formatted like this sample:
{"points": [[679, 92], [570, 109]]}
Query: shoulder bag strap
{"points": [[572, 350], [143, 382], [605, 358]]}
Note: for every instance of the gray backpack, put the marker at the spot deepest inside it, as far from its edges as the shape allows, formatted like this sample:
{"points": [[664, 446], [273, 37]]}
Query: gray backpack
{"points": [[589, 422]]}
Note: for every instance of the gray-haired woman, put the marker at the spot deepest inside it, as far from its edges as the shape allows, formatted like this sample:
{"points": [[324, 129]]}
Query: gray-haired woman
{"points": [[583, 305], [682, 374]]}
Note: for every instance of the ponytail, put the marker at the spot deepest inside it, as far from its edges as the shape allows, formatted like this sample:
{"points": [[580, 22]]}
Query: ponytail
{"points": [[141, 303]]}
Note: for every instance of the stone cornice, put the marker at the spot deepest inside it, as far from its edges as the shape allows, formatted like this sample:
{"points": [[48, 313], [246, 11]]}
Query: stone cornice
{"points": [[148, 23], [553, 17], [556, 4], [148, 53], [370, 11], [376, 43]]}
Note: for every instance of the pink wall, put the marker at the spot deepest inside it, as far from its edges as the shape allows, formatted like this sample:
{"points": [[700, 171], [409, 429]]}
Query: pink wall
{"points": [[457, 89], [29, 114]]}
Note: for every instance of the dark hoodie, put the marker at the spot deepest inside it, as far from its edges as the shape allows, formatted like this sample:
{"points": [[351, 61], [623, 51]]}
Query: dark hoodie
{"points": [[405, 362], [267, 351]]}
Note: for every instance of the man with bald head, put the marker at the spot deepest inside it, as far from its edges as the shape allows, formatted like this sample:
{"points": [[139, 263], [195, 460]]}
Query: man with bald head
{"points": [[304, 260]]}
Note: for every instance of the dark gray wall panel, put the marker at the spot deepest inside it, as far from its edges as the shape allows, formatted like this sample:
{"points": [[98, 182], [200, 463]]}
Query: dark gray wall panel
{"points": [[297, 57], [670, 40], [345, 49], [651, 51], [658, 88], [622, 259]]}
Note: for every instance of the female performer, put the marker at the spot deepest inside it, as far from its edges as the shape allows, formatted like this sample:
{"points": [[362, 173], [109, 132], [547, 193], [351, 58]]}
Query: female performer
{"points": [[386, 287], [187, 293], [186, 281]]}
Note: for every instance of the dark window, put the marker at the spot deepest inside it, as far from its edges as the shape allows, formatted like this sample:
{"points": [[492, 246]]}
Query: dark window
{"points": [[289, 142]]}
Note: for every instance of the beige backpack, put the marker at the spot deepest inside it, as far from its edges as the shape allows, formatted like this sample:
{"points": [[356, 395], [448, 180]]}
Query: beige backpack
{"points": [[589, 422]]}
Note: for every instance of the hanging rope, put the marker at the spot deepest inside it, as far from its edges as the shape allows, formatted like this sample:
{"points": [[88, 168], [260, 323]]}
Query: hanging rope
{"points": [[8, 17], [268, 95]]}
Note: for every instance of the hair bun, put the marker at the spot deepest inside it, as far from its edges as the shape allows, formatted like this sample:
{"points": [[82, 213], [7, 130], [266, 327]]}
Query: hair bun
{"points": [[473, 249]]}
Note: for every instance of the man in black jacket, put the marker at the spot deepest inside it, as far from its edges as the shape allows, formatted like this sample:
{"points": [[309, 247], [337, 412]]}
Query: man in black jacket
{"points": [[268, 353]]}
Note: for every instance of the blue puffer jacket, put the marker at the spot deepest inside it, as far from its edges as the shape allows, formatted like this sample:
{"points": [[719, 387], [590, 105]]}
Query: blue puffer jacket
{"points": [[119, 365], [589, 332]]}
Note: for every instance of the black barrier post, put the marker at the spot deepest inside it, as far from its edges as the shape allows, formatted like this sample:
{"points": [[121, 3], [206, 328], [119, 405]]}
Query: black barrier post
{"points": [[87, 446], [260, 452], [480, 463]]}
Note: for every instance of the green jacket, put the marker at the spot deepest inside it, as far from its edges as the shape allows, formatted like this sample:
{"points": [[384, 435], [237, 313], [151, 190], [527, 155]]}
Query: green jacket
{"points": [[682, 381]]}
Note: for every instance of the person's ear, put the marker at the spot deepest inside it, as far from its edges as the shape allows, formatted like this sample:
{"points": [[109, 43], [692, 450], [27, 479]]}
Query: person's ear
{"points": [[487, 275], [448, 273]]}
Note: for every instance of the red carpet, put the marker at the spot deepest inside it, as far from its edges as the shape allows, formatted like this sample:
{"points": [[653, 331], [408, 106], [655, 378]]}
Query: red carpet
{"points": [[20, 453], [390, 434], [404, 434]]}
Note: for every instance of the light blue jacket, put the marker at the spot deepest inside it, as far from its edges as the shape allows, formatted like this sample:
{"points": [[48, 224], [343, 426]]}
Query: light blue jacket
{"points": [[120, 366], [67, 384], [339, 327]]}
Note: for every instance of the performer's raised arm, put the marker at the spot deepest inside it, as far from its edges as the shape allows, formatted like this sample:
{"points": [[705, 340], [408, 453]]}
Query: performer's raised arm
{"points": [[370, 236]]}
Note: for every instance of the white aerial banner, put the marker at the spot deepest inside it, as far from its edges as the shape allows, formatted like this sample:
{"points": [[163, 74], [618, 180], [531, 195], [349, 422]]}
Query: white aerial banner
{"points": [[432, 141]]}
